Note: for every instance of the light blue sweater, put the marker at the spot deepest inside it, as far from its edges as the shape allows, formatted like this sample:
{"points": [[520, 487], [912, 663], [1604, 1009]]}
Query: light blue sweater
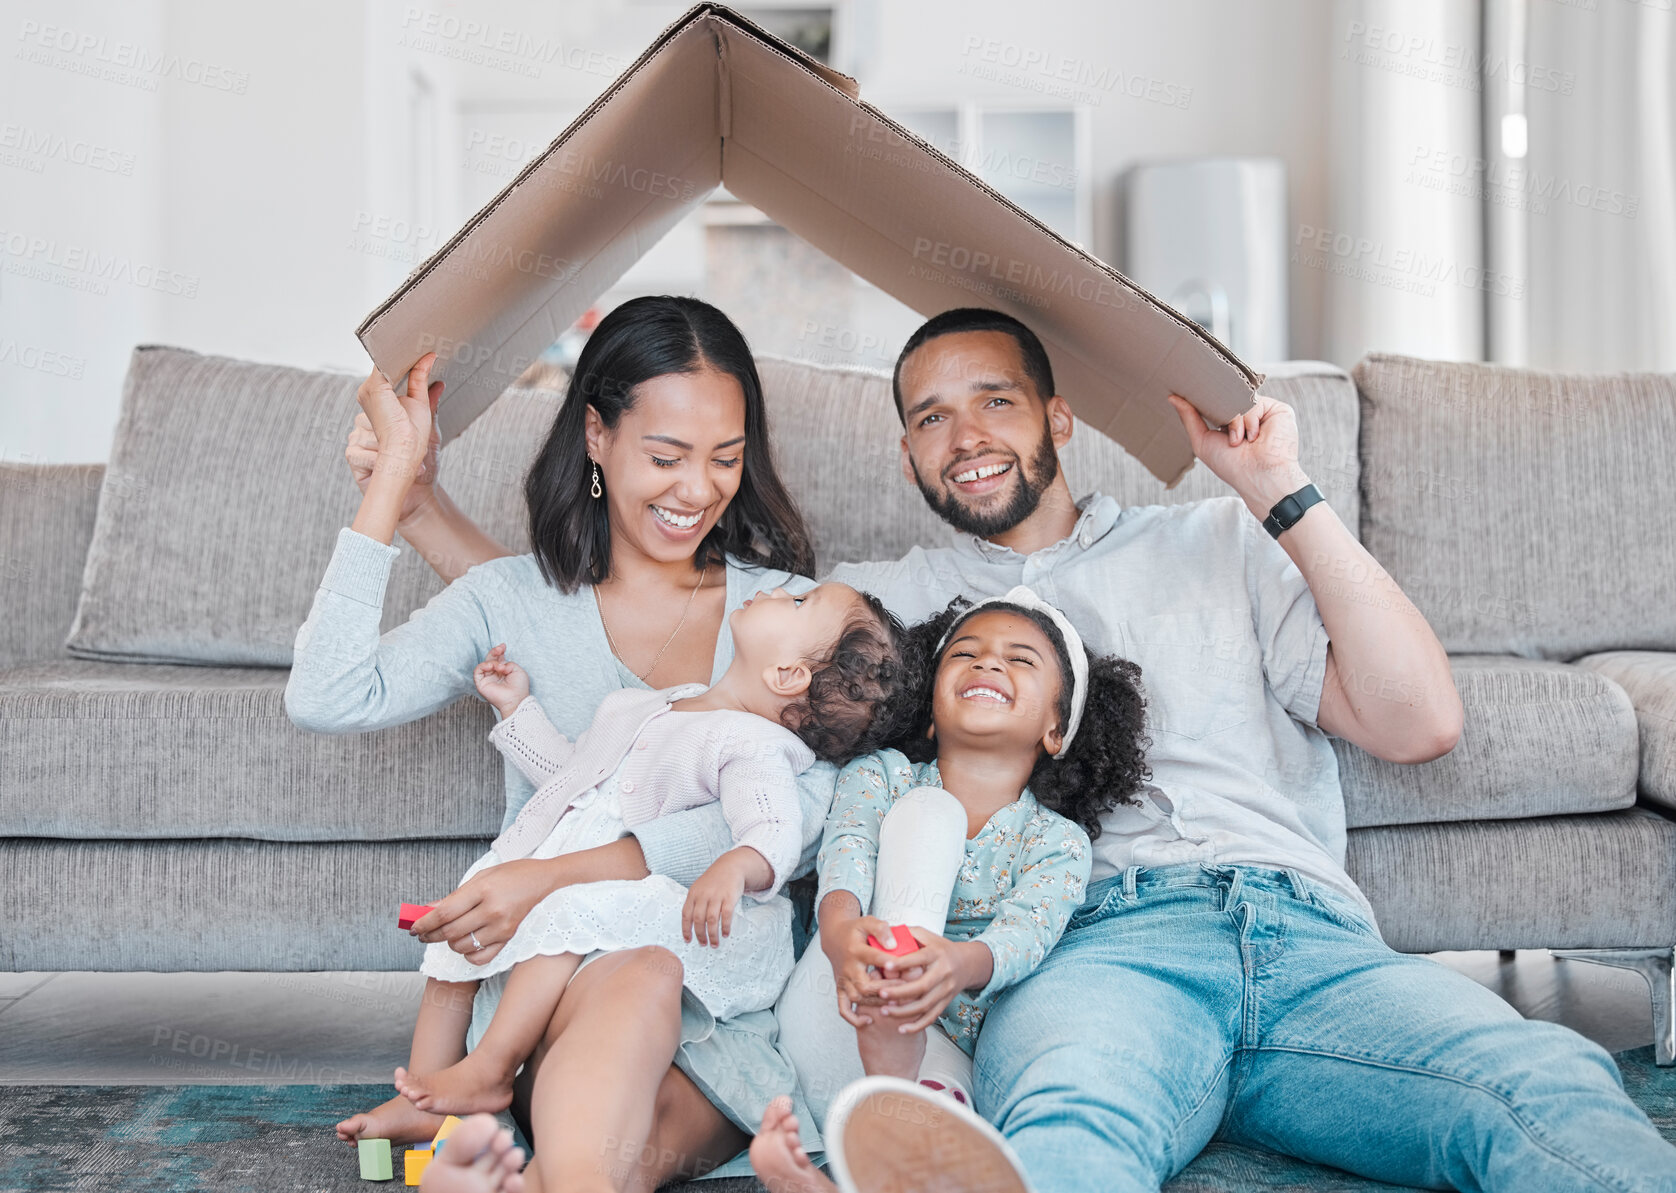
{"points": [[346, 678]]}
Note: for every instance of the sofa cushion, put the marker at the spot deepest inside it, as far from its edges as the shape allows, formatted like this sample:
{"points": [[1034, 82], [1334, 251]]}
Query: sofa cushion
{"points": [[223, 498], [1606, 881], [211, 905], [46, 520], [1538, 739], [836, 438], [1650, 679], [1524, 512], [125, 750]]}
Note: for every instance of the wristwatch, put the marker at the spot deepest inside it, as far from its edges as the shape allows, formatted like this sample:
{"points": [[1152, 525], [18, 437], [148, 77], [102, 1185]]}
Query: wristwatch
{"points": [[1290, 508]]}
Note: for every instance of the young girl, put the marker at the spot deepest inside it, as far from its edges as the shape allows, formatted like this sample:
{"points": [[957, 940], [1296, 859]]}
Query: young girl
{"points": [[976, 836], [809, 678]]}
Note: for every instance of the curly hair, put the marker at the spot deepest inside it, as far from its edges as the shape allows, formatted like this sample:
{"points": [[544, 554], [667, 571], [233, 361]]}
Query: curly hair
{"points": [[1106, 763], [855, 694]]}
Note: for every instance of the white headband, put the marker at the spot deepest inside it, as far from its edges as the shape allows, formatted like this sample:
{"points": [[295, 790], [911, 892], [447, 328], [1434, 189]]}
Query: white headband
{"points": [[1025, 598]]}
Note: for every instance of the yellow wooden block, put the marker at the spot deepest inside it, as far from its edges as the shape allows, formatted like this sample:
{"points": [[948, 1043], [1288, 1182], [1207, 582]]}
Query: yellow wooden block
{"points": [[413, 1164], [444, 1131]]}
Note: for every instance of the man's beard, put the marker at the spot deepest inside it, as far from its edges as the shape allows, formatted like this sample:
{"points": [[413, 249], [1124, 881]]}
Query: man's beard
{"points": [[1027, 495]]}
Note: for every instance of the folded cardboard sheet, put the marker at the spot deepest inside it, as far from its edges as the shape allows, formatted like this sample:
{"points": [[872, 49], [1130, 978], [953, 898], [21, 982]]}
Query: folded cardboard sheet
{"points": [[716, 100]]}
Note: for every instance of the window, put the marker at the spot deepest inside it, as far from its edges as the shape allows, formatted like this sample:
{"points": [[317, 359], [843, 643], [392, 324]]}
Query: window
{"points": [[1036, 157]]}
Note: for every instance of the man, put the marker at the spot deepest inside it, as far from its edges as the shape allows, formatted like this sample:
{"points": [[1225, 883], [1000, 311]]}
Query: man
{"points": [[1225, 977]]}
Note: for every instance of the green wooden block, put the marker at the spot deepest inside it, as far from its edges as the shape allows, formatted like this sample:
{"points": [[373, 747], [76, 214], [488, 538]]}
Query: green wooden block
{"points": [[375, 1159]]}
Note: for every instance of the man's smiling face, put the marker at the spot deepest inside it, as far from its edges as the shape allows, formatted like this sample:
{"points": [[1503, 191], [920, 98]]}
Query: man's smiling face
{"points": [[980, 442]]}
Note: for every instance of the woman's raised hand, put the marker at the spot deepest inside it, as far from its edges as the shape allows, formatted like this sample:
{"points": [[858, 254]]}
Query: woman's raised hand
{"points": [[361, 451], [402, 429]]}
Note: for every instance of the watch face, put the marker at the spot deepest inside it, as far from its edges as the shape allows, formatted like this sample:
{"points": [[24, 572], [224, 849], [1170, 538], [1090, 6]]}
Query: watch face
{"points": [[1290, 508]]}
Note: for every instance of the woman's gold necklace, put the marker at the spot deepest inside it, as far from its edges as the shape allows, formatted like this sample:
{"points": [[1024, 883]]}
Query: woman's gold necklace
{"points": [[658, 658]]}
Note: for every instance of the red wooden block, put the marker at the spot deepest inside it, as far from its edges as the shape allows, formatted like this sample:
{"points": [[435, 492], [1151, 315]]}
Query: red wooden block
{"points": [[905, 942], [410, 914]]}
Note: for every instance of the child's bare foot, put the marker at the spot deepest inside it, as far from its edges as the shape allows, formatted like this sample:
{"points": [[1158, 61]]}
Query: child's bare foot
{"points": [[777, 1155], [397, 1120], [473, 1086], [479, 1158]]}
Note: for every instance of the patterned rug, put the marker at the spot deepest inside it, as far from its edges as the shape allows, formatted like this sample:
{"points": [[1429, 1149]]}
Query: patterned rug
{"points": [[278, 1139]]}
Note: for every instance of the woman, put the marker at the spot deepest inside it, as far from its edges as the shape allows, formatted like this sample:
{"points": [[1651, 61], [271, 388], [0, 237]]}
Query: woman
{"points": [[655, 511]]}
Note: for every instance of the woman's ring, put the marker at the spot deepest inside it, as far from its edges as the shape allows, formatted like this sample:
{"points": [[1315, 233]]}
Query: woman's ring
{"points": [[475, 943]]}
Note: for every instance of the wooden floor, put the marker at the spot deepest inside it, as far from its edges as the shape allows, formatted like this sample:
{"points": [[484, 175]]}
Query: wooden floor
{"points": [[329, 1028]]}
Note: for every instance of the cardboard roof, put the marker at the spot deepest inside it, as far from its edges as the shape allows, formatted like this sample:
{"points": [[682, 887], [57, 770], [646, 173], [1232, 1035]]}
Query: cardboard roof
{"points": [[717, 100]]}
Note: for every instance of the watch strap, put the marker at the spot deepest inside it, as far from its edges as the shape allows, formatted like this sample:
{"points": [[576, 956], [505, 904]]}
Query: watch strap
{"points": [[1290, 508]]}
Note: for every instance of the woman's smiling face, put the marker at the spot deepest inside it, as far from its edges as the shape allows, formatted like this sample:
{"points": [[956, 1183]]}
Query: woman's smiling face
{"points": [[998, 682], [672, 463]]}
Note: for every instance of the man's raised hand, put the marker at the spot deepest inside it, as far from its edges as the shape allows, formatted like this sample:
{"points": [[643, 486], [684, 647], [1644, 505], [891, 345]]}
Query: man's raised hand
{"points": [[1256, 453]]}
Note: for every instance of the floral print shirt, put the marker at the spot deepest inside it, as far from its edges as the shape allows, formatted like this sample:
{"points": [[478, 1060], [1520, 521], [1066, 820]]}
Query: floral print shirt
{"points": [[1023, 876]]}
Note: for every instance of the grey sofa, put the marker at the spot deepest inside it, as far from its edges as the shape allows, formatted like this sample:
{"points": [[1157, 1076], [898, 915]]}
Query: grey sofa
{"points": [[159, 811]]}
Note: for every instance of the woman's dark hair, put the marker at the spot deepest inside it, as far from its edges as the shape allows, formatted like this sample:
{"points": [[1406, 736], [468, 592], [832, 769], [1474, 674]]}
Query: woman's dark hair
{"points": [[856, 695], [644, 338], [1106, 763]]}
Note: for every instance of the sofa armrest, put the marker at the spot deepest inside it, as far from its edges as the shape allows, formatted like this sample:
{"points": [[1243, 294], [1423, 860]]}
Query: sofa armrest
{"points": [[1649, 676], [46, 524]]}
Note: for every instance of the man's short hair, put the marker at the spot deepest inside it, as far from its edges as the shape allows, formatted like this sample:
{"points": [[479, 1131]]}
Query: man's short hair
{"points": [[1036, 366]]}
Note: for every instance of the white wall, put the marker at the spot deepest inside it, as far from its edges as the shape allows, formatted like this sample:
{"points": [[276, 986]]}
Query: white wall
{"points": [[82, 169], [262, 189], [1403, 261]]}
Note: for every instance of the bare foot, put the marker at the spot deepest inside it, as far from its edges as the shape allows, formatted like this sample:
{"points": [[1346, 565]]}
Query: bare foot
{"points": [[397, 1120], [473, 1086], [479, 1158], [777, 1155]]}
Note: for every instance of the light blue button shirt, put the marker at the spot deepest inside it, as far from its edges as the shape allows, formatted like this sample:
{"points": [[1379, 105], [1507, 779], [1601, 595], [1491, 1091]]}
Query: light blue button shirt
{"points": [[1233, 655]]}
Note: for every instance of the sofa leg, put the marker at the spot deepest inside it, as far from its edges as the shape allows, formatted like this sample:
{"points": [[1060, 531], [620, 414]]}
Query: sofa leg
{"points": [[1658, 966]]}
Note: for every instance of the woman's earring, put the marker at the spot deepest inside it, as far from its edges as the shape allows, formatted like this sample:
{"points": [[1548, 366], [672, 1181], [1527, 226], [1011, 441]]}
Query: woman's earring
{"points": [[594, 490]]}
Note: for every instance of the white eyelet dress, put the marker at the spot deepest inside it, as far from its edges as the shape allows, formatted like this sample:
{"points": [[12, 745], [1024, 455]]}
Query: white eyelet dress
{"points": [[745, 973]]}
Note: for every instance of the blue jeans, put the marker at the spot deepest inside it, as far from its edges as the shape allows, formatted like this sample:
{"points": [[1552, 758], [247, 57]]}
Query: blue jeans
{"points": [[1192, 1002]]}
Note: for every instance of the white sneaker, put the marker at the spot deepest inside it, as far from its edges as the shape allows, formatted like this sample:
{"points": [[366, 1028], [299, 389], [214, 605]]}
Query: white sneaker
{"points": [[887, 1135]]}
